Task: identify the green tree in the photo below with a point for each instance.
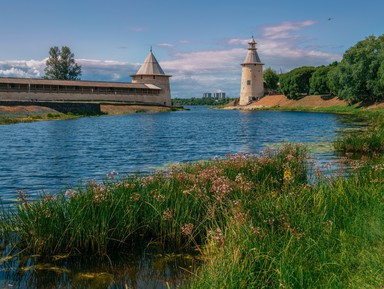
(271, 79)
(295, 83)
(319, 83)
(61, 64)
(359, 75)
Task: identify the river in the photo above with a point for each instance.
(53, 156)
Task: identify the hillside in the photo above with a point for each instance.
(279, 100)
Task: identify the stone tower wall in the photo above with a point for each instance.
(161, 81)
(252, 85)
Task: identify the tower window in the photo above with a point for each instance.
(248, 82)
(154, 77)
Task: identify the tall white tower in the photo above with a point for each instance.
(252, 84)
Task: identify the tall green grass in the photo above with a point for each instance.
(176, 208)
(367, 141)
(257, 220)
(328, 235)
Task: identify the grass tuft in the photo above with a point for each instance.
(258, 221)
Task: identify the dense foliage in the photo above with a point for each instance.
(271, 79)
(200, 101)
(61, 64)
(360, 74)
(319, 83)
(358, 77)
(295, 84)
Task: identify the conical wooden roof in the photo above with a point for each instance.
(150, 66)
(252, 56)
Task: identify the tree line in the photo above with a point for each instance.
(359, 76)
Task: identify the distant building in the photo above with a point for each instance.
(252, 85)
(216, 95)
(219, 95)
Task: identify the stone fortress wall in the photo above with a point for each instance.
(150, 86)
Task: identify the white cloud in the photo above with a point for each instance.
(279, 46)
(102, 70)
(22, 68)
(214, 60)
(282, 46)
(284, 29)
(107, 70)
(165, 45)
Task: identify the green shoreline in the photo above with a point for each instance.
(268, 221)
(14, 118)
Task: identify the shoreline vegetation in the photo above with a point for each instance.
(267, 221)
(22, 114)
(314, 103)
(272, 220)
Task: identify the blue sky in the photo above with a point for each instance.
(200, 42)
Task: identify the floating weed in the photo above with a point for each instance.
(96, 275)
(49, 267)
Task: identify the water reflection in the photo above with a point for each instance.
(56, 155)
(53, 156)
(143, 268)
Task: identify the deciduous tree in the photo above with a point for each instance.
(271, 79)
(319, 82)
(295, 83)
(360, 74)
(61, 64)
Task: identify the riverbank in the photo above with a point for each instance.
(18, 114)
(307, 103)
(257, 221)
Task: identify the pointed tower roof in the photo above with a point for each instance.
(252, 56)
(150, 66)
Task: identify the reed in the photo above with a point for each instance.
(367, 141)
(258, 221)
(328, 235)
(176, 208)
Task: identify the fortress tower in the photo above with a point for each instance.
(151, 74)
(252, 84)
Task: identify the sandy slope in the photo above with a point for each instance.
(22, 111)
(281, 100)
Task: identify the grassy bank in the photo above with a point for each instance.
(36, 117)
(327, 235)
(367, 141)
(258, 221)
(22, 114)
(176, 208)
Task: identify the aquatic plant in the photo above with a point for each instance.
(175, 208)
(367, 141)
(325, 235)
(257, 221)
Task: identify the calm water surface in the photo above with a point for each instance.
(55, 155)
